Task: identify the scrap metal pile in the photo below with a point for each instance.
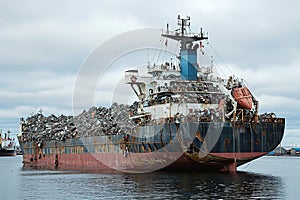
(95, 121)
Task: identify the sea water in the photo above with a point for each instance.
(265, 178)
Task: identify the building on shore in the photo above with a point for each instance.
(279, 151)
(295, 151)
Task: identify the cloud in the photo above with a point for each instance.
(254, 33)
(291, 138)
(60, 38)
(43, 45)
(36, 88)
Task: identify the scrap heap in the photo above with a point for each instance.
(95, 121)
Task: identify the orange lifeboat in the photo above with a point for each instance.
(243, 97)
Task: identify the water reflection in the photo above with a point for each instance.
(207, 186)
(157, 185)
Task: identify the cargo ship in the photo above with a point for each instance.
(7, 147)
(186, 118)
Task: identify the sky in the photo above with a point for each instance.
(44, 44)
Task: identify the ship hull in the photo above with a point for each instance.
(7, 152)
(213, 146)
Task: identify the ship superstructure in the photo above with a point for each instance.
(188, 88)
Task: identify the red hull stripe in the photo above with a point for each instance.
(239, 155)
(118, 161)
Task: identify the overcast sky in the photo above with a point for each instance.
(44, 43)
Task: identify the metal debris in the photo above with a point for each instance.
(95, 121)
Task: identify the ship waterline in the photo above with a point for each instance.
(8, 152)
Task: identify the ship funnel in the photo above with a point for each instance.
(188, 64)
(188, 48)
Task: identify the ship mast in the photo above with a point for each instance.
(188, 48)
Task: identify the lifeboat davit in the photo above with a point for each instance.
(243, 97)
